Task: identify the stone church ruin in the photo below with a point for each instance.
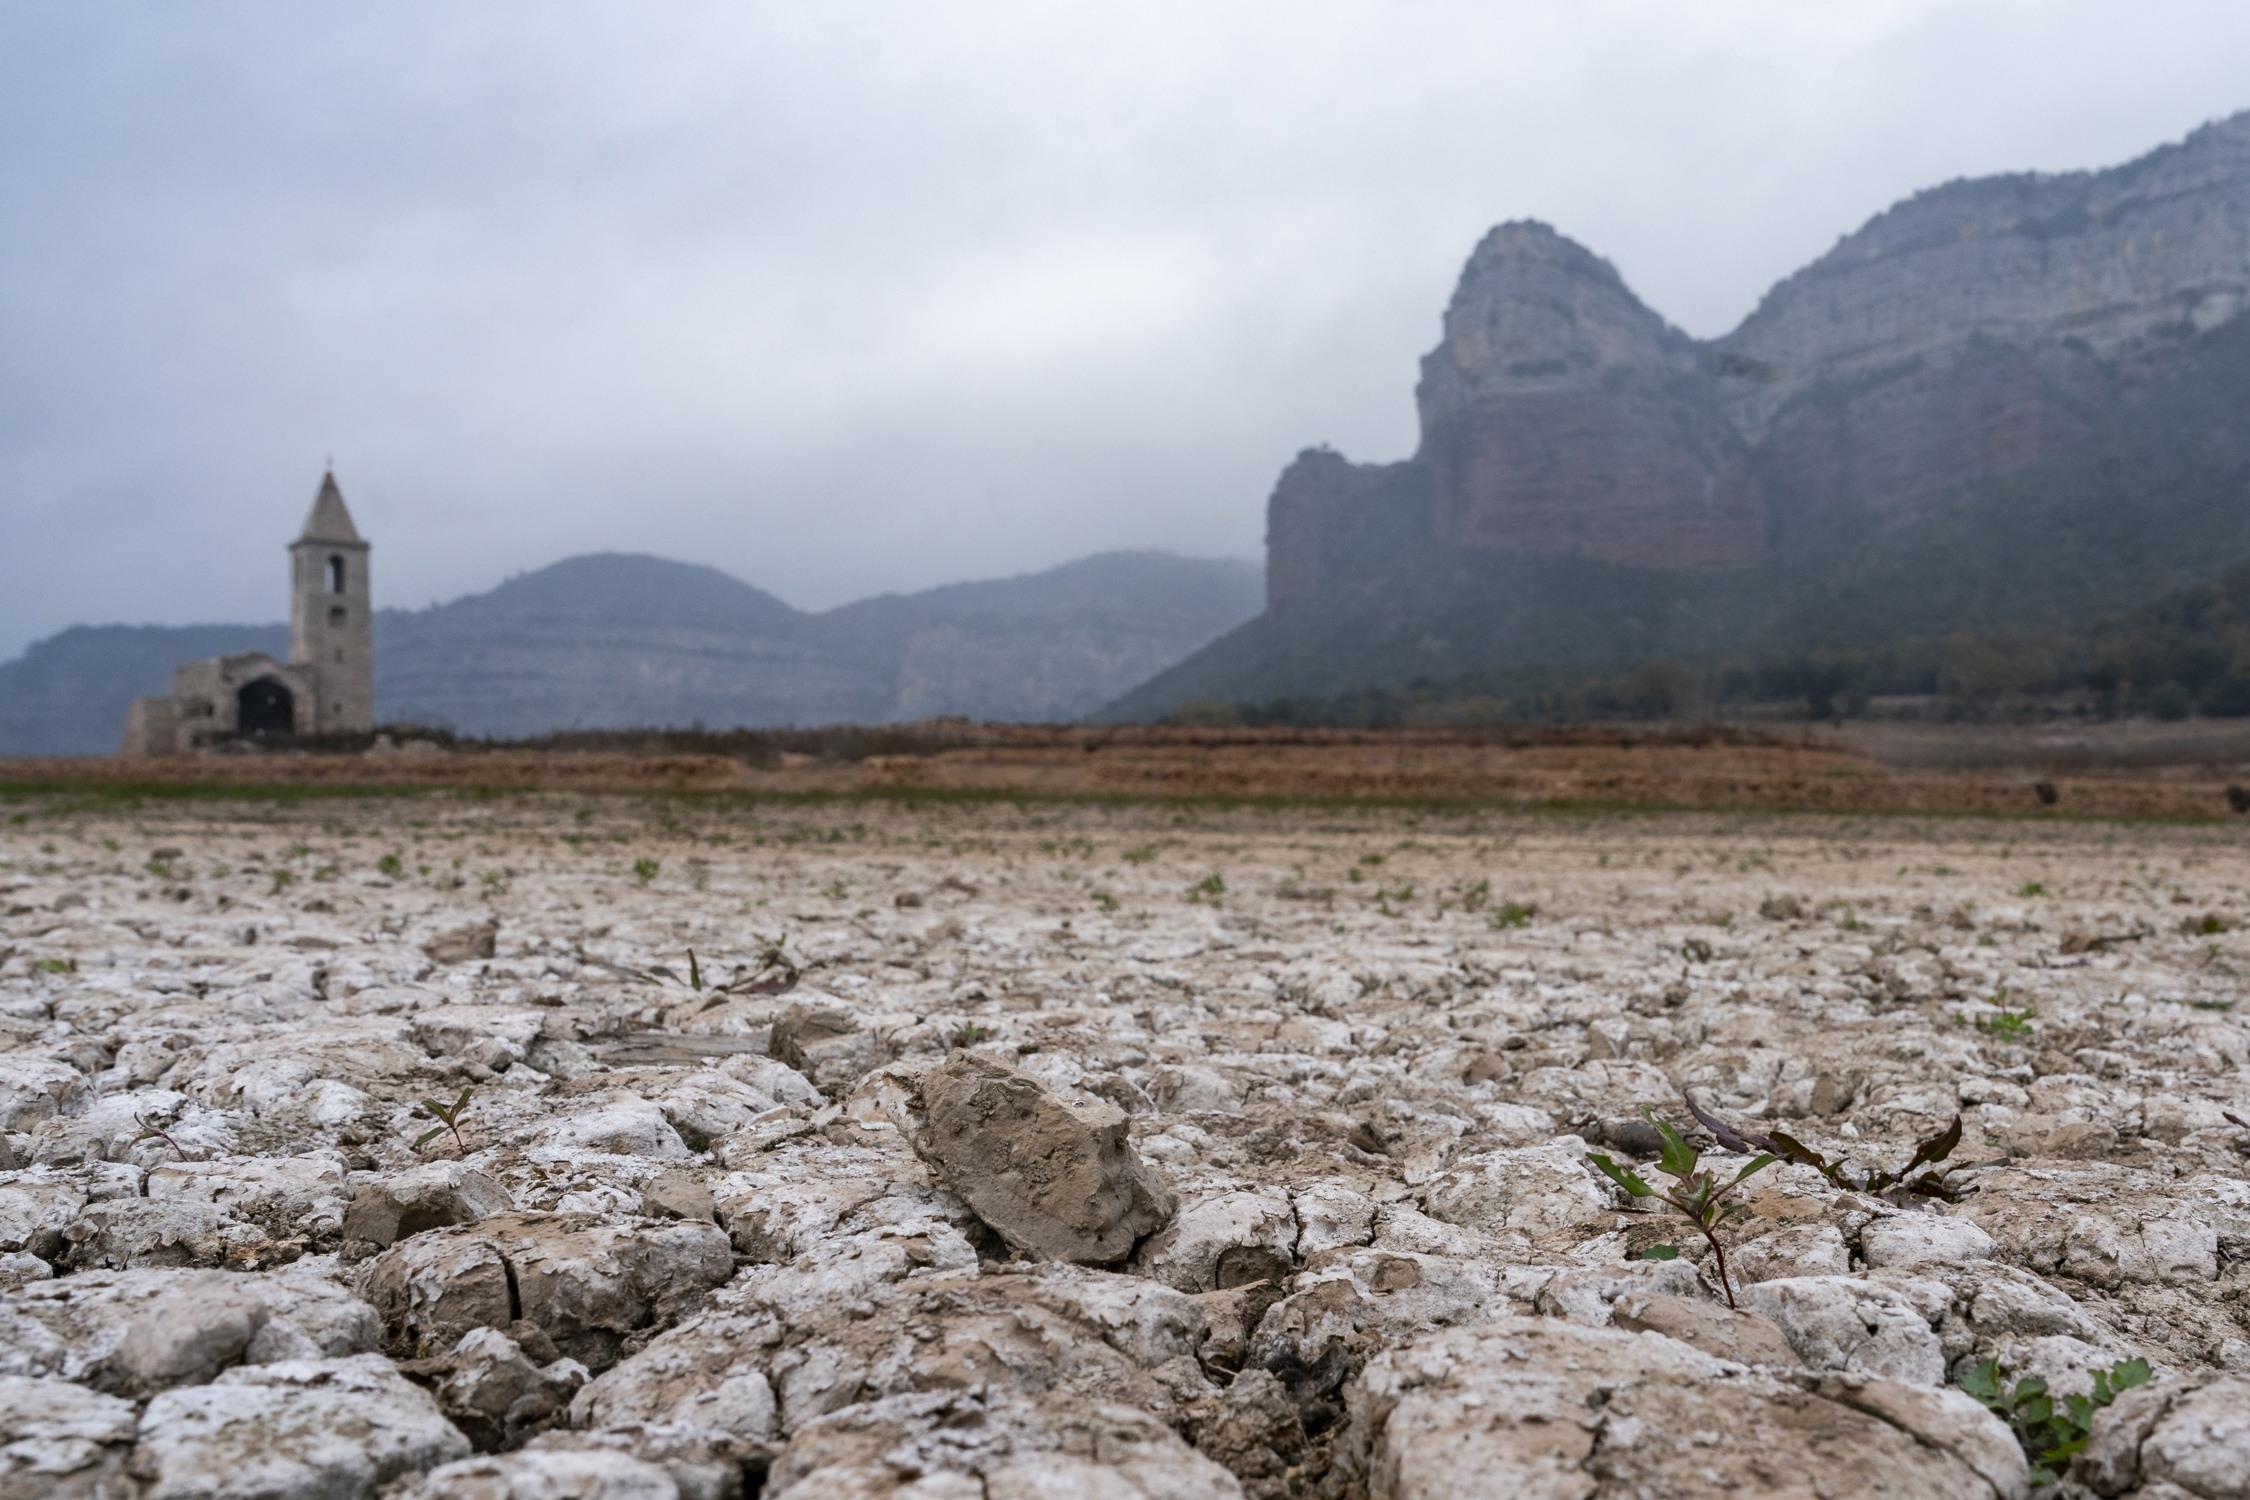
(327, 685)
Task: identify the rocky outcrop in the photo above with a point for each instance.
(1970, 332)
(1561, 417)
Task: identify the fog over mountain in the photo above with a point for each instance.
(613, 640)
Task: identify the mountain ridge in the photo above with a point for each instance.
(629, 640)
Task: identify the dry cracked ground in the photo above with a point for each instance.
(530, 1147)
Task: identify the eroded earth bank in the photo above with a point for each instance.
(399, 1145)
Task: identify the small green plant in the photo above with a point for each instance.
(969, 1033)
(644, 870)
(282, 880)
(448, 1118)
(1209, 888)
(1656, 1252)
(1695, 1192)
(1105, 901)
(1140, 855)
(694, 971)
(1512, 914)
(1477, 897)
(55, 965)
(2032, 888)
(1696, 951)
(2051, 1432)
(1371, 859)
(1892, 1187)
(150, 1131)
(2007, 1023)
(390, 865)
(160, 867)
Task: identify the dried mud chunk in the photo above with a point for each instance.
(60, 1441)
(432, 1196)
(489, 1388)
(1844, 1324)
(827, 1044)
(1054, 1176)
(588, 1284)
(2173, 1439)
(163, 1233)
(1546, 1408)
(546, 1475)
(464, 944)
(285, 1196)
(304, 1428)
(1229, 1240)
(996, 1446)
(1744, 1337)
(133, 1332)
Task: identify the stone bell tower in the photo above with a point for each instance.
(331, 618)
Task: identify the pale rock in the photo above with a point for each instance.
(993, 1445)
(826, 1043)
(1052, 1175)
(131, 1233)
(1587, 1294)
(488, 1388)
(1329, 1216)
(587, 1284)
(1912, 1239)
(1539, 1191)
(546, 1475)
(1190, 1089)
(38, 1088)
(775, 1079)
(1229, 1239)
(60, 1441)
(33, 1204)
(464, 944)
(1846, 1325)
(1793, 1250)
(707, 1104)
(623, 1125)
(133, 1332)
(286, 1196)
(328, 1429)
(1541, 1407)
(398, 1205)
(2173, 1439)
(1716, 1329)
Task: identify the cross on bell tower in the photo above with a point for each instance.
(331, 619)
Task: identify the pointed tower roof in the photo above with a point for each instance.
(328, 520)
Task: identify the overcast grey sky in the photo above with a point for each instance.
(858, 295)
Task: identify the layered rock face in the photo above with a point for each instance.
(1967, 333)
(1560, 416)
(1975, 328)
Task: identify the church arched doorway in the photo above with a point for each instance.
(265, 707)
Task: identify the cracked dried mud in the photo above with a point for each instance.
(615, 1146)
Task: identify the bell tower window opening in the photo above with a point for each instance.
(335, 574)
(336, 615)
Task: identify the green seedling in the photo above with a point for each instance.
(390, 865)
(1105, 901)
(835, 890)
(2051, 1432)
(2007, 1023)
(1512, 914)
(448, 1119)
(644, 870)
(1695, 1192)
(1139, 856)
(1892, 1187)
(55, 965)
(1477, 897)
(694, 971)
(1696, 951)
(282, 880)
(1657, 1252)
(969, 1033)
(1209, 888)
(150, 1131)
(2032, 888)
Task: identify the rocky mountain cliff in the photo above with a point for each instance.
(620, 641)
(1791, 480)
